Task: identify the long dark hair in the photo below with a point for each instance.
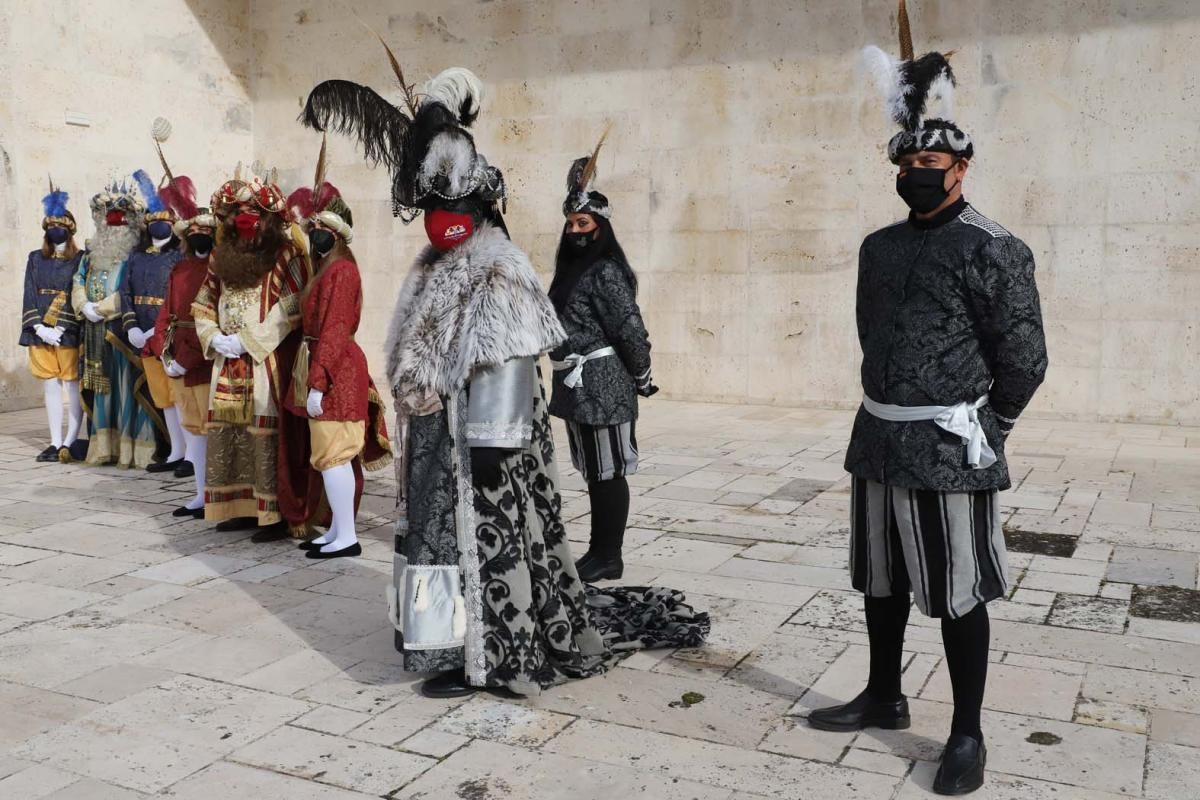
(568, 270)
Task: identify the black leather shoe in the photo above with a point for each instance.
(237, 524)
(448, 684)
(863, 711)
(961, 770)
(601, 568)
(271, 533)
(78, 449)
(185, 470)
(49, 454)
(346, 552)
(194, 513)
(581, 563)
(165, 466)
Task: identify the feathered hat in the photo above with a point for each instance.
(259, 189)
(54, 210)
(426, 145)
(581, 198)
(919, 96)
(322, 203)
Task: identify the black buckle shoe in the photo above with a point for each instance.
(48, 455)
(271, 533)
(601, 568)
(346, 552)
(184, 511)
(447, 685)
(165, 466)
(185, 470)
(961, 770)
(863, 711)
(236, 524)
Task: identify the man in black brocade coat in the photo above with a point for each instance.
(950, 326)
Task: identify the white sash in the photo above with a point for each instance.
(961, 420)
(575, 362)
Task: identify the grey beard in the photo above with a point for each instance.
(111, 245)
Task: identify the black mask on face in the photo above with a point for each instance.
(321, 241)
(201, 243)
(579, 242)
(924, 188)
(57, 234)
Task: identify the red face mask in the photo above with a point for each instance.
(114, 218)
(446, 229)
(247, 224)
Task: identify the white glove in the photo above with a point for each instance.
(314, 403)
(89, 311)
(51, 336)
(137, 338)
(229, 346)
(174, 369)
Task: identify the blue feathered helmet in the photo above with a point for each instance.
(156, 207)
(54, 209)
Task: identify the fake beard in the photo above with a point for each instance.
(111, 245)
(241, 263)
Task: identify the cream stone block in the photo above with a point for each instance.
(718, 765)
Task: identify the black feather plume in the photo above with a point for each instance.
(358, 111)
(916, 78)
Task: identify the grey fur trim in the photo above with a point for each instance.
(477, 305)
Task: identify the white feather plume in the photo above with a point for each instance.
(884, 72)
(939, 100)
(452, 156)
(452, 88)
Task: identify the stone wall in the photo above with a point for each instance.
(745, 165)
(121, 64)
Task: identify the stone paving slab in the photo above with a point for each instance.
(143, 656)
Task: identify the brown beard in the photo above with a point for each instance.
(241, 264)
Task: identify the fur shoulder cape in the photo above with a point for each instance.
(477, 305)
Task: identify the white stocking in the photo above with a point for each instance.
(197, 453)
(54, 411)
(175, 429)
(75, 420)
(339, 488)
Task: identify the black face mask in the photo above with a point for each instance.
(57, 234)
(321, 241)
(201, 243)
(579, 242)
(159, 229)
(924, 188)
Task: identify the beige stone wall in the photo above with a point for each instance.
(122, 63)
(745, 165)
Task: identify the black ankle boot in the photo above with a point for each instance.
(961, 770)
(863, 711)
(446, 685)
(601, 568)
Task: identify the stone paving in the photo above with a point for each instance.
(142, 656)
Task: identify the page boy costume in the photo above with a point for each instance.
(50, 326)
(953, 349)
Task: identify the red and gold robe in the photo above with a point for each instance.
(244, 470)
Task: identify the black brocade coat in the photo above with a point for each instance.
(602, 312)
(948, 311)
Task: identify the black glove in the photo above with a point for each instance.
(487, 467)
(647, 389)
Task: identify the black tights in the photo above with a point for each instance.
(966, 640)
(610, 512)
